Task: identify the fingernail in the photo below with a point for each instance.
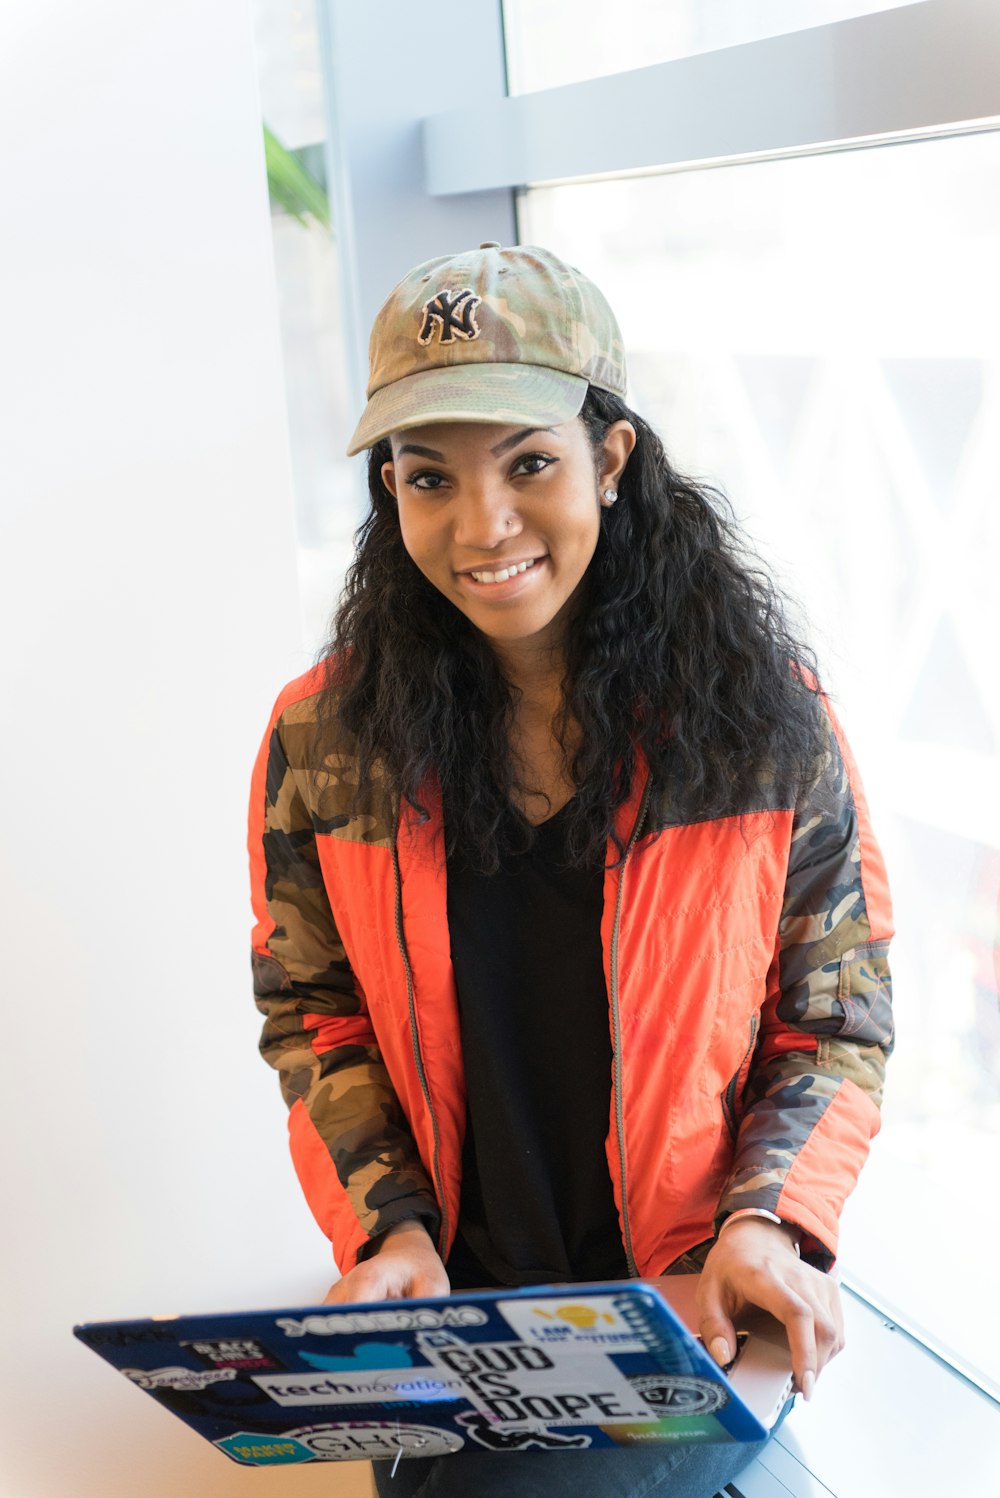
(808, 1384)
(719, 1348)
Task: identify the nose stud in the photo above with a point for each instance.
(609, 497)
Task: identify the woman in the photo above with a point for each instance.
(571, 928)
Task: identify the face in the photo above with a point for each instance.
(504, 520)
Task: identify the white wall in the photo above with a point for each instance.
(149, 614)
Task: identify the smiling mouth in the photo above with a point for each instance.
(504, 573)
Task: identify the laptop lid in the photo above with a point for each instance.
(544, 1367)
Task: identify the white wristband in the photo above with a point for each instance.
(759, 1212)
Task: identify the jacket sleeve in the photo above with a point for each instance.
(353, 1152)
(815, 1086)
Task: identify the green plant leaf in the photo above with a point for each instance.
(290, 186)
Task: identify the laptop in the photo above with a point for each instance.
(547, 1367)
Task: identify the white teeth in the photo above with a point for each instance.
(501, 577)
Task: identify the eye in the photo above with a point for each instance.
(529, 463)
(426, 480)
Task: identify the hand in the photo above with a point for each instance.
(754, 1263)
(405, 1263)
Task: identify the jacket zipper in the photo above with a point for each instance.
(729, 1094)
(617, 1033)
(401, 941)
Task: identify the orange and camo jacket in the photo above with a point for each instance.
(748, 1003)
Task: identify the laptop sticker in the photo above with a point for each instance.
(595, 1322)
(182, 1379)
(374, 1440)
(265, 1450)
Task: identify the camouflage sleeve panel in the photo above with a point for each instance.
(353, 1151)
(813, 1094)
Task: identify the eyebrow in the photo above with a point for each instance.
(509, 442)
(421, 452)
(498, 451)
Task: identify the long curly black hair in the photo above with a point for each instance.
(680, 651)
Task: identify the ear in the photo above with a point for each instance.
(389, 479)
(619, 441)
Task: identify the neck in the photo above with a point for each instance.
(535, 670)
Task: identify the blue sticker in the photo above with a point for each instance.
(265, 1451)
(365, 1355)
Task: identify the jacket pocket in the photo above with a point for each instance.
(732, 1094)
(864, 992)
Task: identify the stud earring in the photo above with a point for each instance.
(609, 497)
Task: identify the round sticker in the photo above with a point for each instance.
(680, 1393)
(378, 1440)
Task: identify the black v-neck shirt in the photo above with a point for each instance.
(537, 1202)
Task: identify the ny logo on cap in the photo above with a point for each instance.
(453, 313)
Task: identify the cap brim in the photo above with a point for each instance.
(530, 394)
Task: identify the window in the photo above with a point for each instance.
(819, 336)
(307, 275)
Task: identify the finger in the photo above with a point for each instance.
(716, 1329)
(433, 1283)
(797, 1315)
(841, 1328)
(829, 1327)
(362, 1283)
(799, 1323)
(430, 1277)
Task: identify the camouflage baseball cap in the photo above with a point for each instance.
(507, 335)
